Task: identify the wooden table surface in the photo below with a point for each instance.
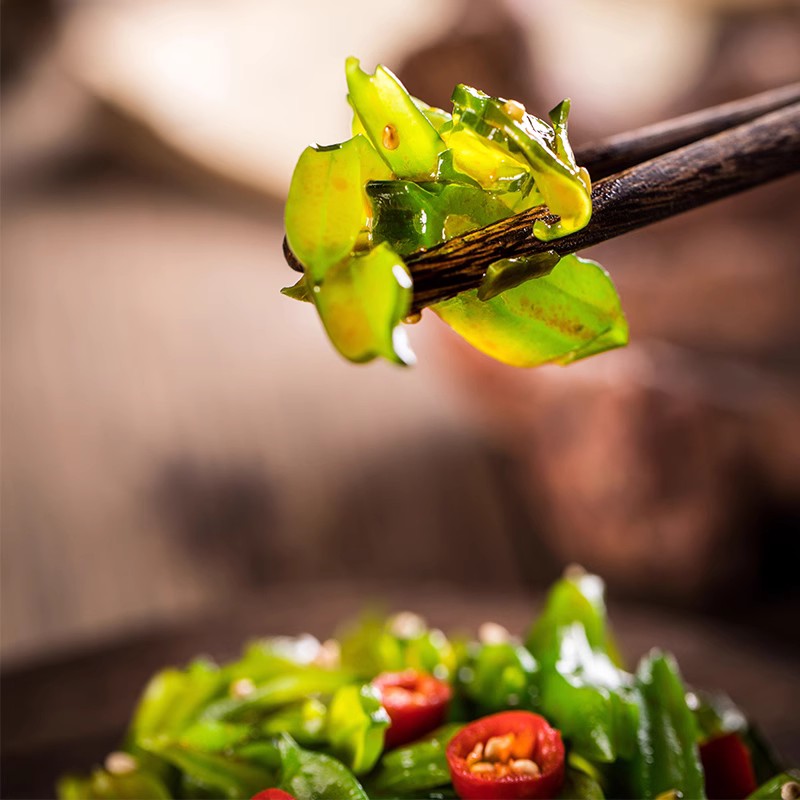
(67, 712)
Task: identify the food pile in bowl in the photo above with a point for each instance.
(395, 709)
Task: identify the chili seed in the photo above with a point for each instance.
(118, 763)
(476, 754)
(329, 655)
(492, 633)
(242, 688)
(514, 109)
(407, 624)
(498, 748)
(790, 790)
(482, 768)
(524, 766)
(390, 140)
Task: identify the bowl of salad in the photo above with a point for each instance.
(392, 708)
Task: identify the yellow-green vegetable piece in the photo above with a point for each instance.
(559, 318)
(356, 726)
(582, 199)
(491, 165)
(436, 116)
(508, 273)
(400, 132)
(361, 303)
(327, 207)
(562, 186)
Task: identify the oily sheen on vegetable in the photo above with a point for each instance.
(393, 708)
(412, 177)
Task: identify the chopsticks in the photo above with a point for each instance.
(624, 150)
(698, 158)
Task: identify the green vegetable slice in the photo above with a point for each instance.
(314, 775)
(361, 303)
(564, 316)
(414, 768)
(580, 786)
(103, 785)
(562, 186)
(508, 273)
(376, 645)
(356, 725)
(399, 131)
(775, 788)
(305, 722)
(667, 757)
(409, 215)
(174, 698)
(583, 691)
(277, 691)
(229, 774)
(500, 676)
(327, 209)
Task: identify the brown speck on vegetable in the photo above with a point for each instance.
(391, 139)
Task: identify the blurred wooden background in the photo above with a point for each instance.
(175, 431)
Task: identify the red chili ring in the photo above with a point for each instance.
(546, 750)
(415, 701)
(272, 794)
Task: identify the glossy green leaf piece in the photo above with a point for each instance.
(298, 291)
(437, 117)
(361, 303)
(499, 676)
(410, 216)
(174, 698)
(414, 768)
(103, 785)
(562, 186)
(508, 273)
(494, 167)
(558, 117)
(580, 786)
(577, 598)
(667, 757)
(231, 776)
(583, 691)
(356, 725)
(399, 131)
(374, 645)
(304, 721)
(280, 690)
(327, 208)
(567, 315)
(305, 774)
(779, 787)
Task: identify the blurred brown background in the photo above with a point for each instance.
(178, 438)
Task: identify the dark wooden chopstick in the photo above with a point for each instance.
(624, 150)
(710, 169)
